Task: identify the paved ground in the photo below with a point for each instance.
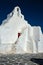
(23, 59)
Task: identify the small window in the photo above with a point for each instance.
(17, 9)
(21, 16)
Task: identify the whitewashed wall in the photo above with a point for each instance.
(40, 45)
(14, 24)
(24, 43)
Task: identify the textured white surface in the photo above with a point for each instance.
(31, 40)
(10, 29)
(40, 44)
(24, 43)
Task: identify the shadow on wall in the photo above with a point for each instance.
(38, 61)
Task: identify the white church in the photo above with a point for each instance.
(18, 36)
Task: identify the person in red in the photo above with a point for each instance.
(19, 35)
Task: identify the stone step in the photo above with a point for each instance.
(17, 59)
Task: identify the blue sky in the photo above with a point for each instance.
(31, 9)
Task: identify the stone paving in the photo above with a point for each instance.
(19, 59)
